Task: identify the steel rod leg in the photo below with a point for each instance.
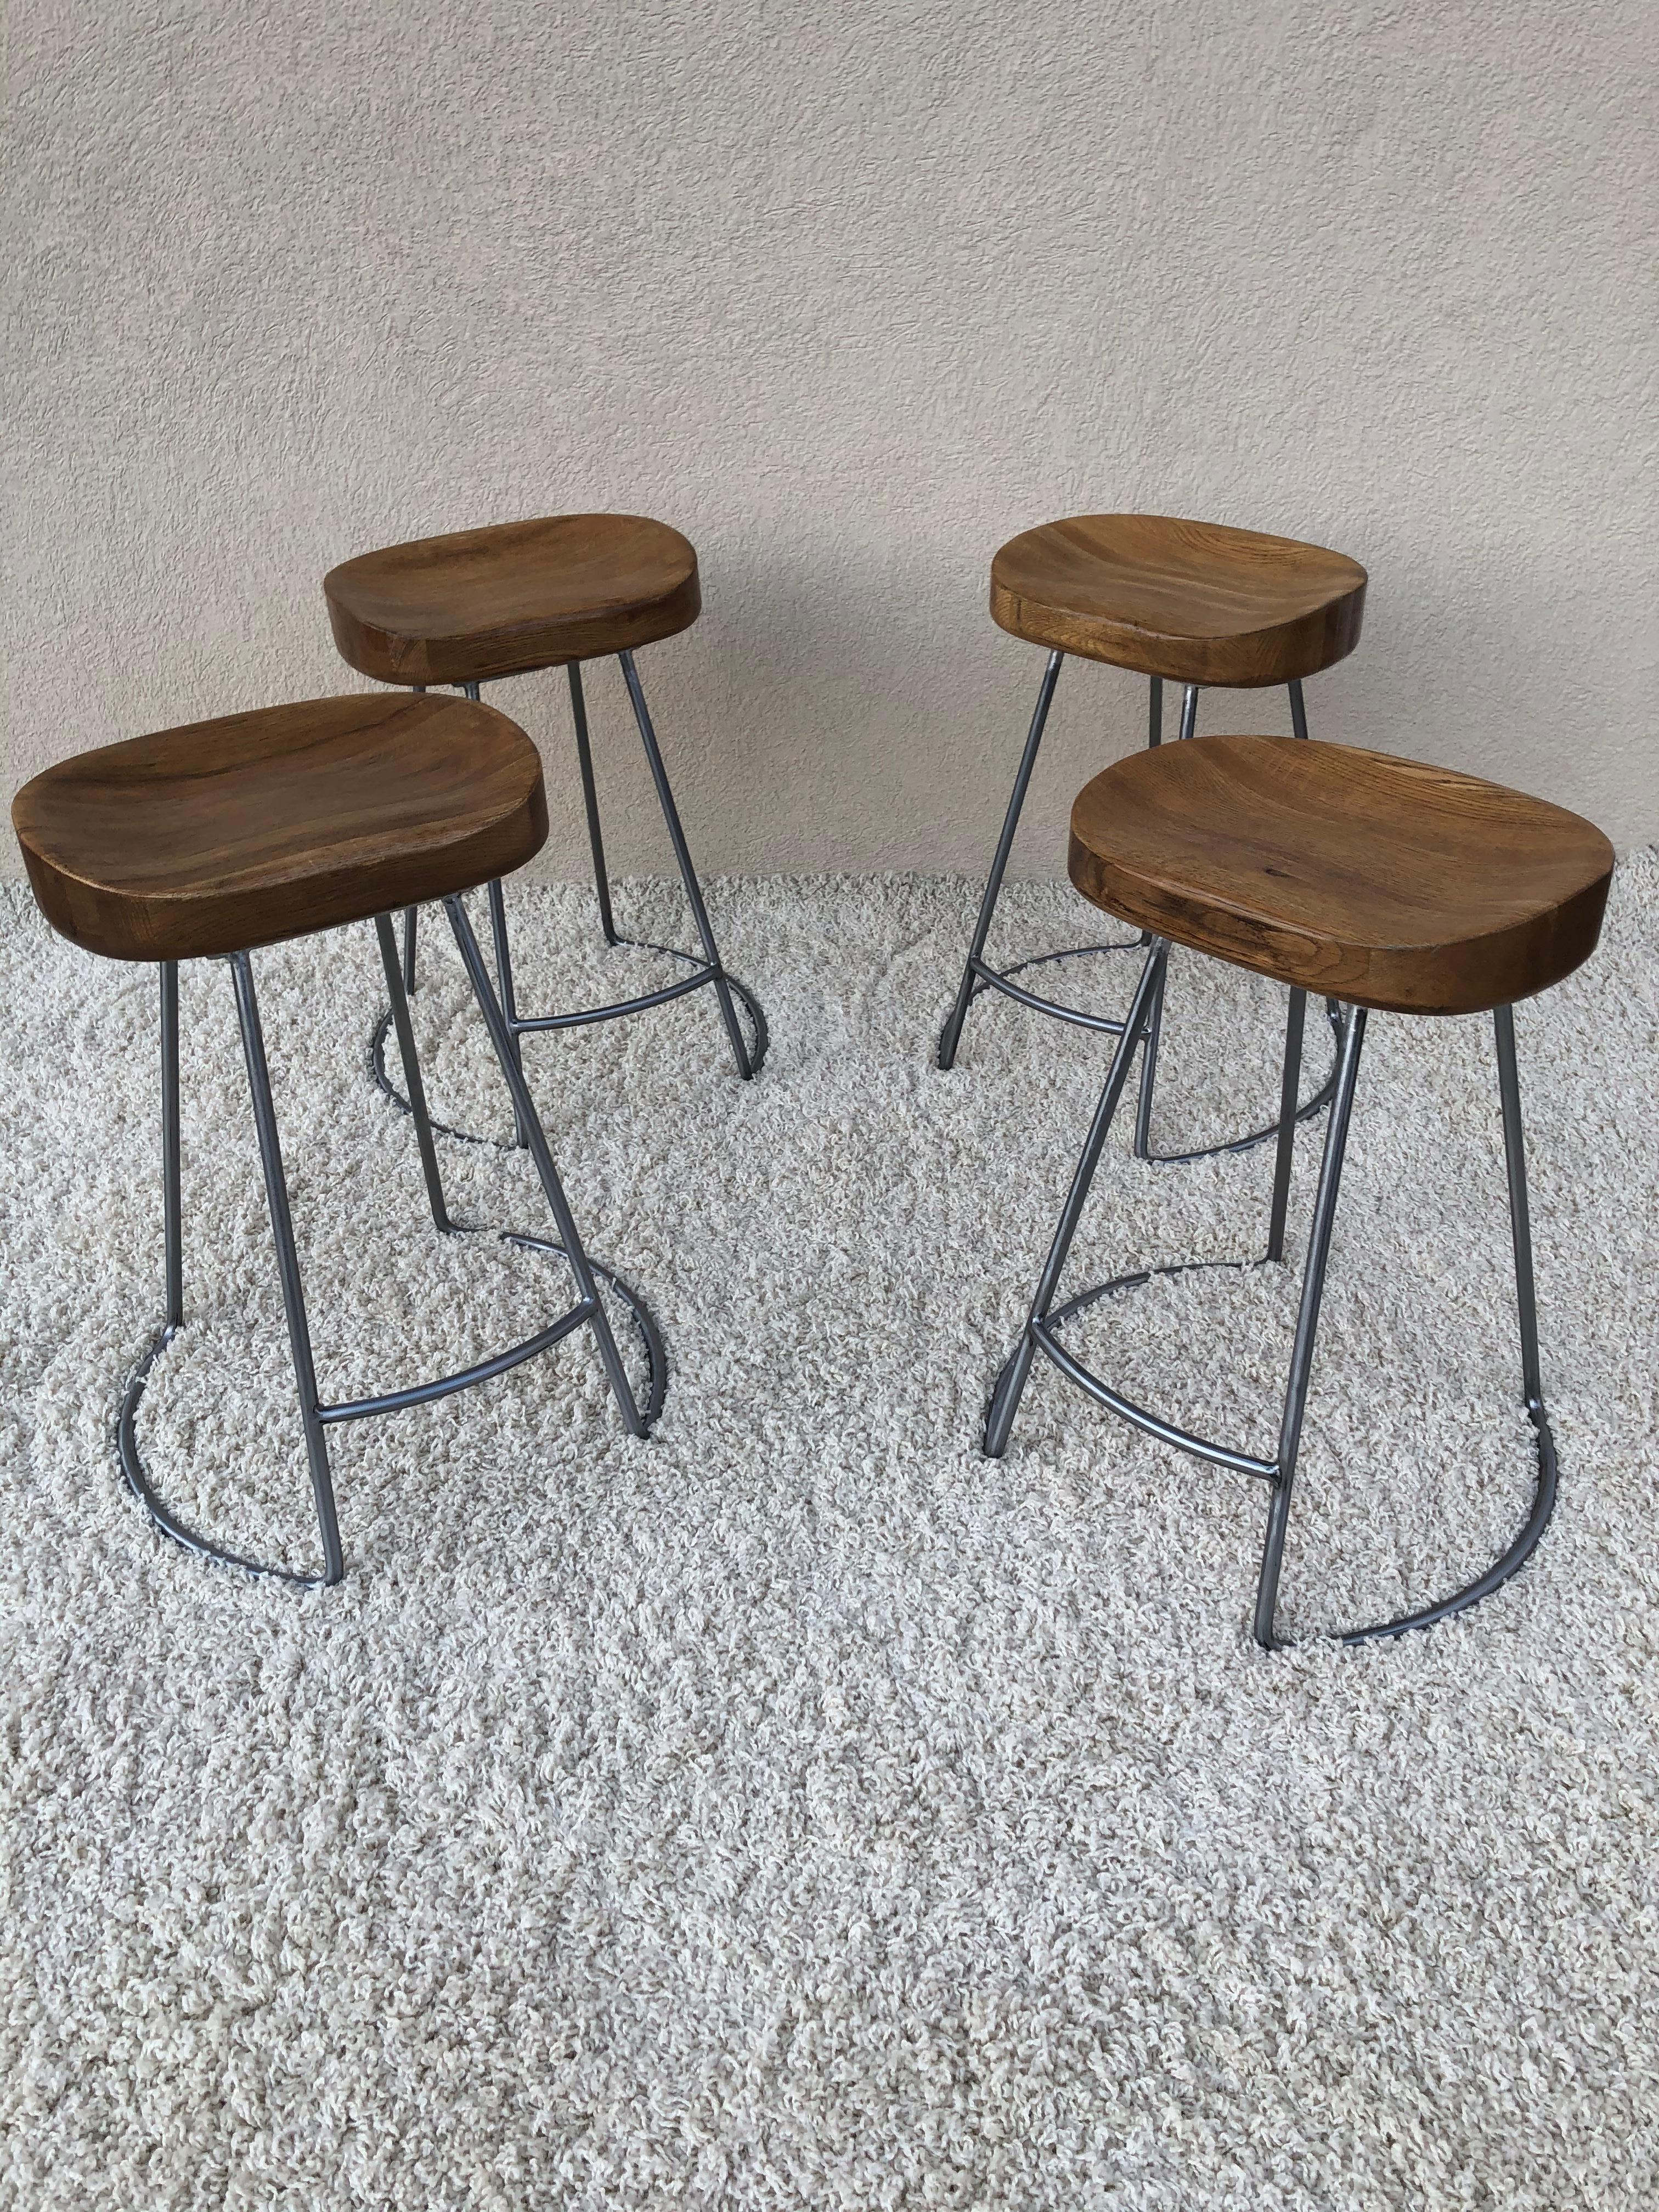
(411, 916)
(525, 1108)
(172, 1212)
(1143, 1138)
(1289, 1092)
(1307, 1328)
(504, 986)
(671, 815)
(590, 802)
(413, 1086)
(1004, 1402)
(951, 1035)
(288, 1262)
(1299, 728)
(1514, 1162)
(1154, 736)
(1299, 711)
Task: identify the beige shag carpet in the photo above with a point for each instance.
(798, 1810)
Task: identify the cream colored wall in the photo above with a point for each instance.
(849, 293)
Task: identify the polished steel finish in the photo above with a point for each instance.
(1045, 1319)
(316, 1415)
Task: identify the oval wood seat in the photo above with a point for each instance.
(1381, 881)
(226, 834)
(479, 603)
(1194, 601)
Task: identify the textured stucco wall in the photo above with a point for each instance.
(849, 294)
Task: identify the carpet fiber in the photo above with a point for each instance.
(799, 1809)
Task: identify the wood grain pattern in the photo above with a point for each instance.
(478, 604)
(1381, 881)
(1194, 601)
(226, 834)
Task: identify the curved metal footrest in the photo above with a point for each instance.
(1044, 1337)
(137, 1475)
(1002, 979)
(533, 1024)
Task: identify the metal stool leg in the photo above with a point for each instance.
(173, 1211)
(591, 803)
(688, 873)
(950, 1035)
(288, 1262)
(1004, 1402)
(524, 1106)
(1143, 1144)
(411, 916)
(398, 999)
(503, 953)
(1299, 711)
(1307, 1326)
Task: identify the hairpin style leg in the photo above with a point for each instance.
(951, 1035)
(688, 874)
(1010, 1387)
(524, 1106)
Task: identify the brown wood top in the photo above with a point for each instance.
(519, 595)
(1384, 882)
(225, 834)
(1194, 601)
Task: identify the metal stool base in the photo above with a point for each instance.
(1046, 1318)
(137, 1474)
(1002, 979)
(702, 974)
(1502, 1569)
(978, 977)
(316, 1416)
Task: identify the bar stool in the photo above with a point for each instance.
(1194, 602)
(475, 606)
(1388, 883)
(213, 839)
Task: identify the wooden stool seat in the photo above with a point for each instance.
(227, 834)
(480, 604)
(1380, 881)
(1193, 601)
